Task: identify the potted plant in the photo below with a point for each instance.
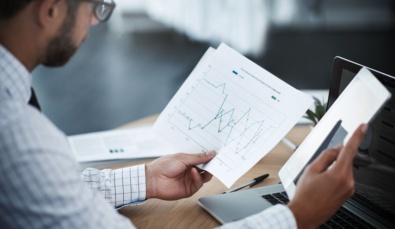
(319, 111)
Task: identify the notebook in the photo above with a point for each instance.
(353, 98)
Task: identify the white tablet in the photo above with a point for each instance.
(359, 103)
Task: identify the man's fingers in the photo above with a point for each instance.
(324, 160)
(348, 152)
(206, 176)
(197, 179)
(197, 159)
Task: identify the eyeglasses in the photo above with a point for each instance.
(102, 9)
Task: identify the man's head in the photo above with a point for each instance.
(61, 26)
(10, 8)
(62, 47)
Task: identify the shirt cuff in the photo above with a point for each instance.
(281, 216)
(142, 183)
(133, 190)
(286, 214)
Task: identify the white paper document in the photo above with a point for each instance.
(233, 106)
(117, 144)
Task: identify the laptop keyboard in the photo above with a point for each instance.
(342, 219)
(277, 198)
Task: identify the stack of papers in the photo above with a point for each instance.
(233, 106)
(137, 143)
(227, 104)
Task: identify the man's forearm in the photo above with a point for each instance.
(119, 187)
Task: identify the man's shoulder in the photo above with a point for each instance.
(10, 109)
(13, 110)
(25, 127)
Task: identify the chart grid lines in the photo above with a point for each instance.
(237, 128)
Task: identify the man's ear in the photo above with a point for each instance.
(51, 12)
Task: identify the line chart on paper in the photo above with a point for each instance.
(216, 112)
(233, 106)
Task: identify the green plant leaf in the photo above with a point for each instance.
(320, 109)
(310, 115)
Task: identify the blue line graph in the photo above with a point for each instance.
(214, 110)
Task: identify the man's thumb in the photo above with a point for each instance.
(200, 158)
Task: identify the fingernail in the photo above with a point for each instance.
(364, 128)
(211, 153)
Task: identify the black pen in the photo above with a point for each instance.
(249, 184)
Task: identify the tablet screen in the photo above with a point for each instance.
(358, 103)
(374, 165)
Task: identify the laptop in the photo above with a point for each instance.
(373, 204)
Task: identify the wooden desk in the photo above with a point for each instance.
(186, 213)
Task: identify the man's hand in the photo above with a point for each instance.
(175, 176)
(325, 185)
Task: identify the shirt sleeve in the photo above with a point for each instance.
(40, 184)
(120, 187)
(278, 216)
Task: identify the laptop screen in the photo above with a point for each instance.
(374, 165)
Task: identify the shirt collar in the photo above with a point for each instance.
(14, 77)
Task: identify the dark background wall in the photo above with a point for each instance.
(114, 79)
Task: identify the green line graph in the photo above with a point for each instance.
(216, 109)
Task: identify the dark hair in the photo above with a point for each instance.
(8, 8)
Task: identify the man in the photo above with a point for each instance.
(39, 185)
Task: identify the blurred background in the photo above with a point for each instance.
(131, 66)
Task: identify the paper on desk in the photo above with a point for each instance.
(117, 144)
(233, 106)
